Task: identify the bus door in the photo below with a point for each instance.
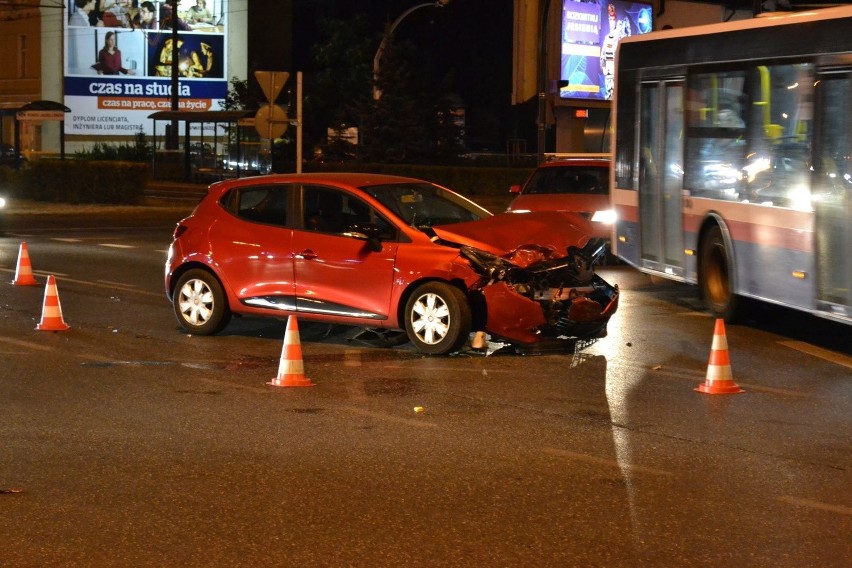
(661, 176)
(832, 191)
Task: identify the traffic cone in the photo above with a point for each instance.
(24, 271)
(51, 314)
(291, 371)
(719, 377)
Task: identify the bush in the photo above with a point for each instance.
(139, 151)
(82, 181)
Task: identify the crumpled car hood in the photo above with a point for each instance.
(506, 232)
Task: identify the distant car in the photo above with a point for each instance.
(10, 157)
(578, 185)
(395, 254)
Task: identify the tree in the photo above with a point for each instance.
(239, 96)
(396, 127)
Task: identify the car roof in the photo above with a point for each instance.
(357, 179)
(568, 162)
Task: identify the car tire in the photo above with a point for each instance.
(200, 304)
(437, 318)
(715, 269)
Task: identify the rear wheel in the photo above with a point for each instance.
(200, 303)
(437, 318)
(715, 276)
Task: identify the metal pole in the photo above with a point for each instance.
(175, 54)
(542, 82)
(377, 93)
(299, 122)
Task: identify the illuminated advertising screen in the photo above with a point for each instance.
(591, 31)
(118, 62)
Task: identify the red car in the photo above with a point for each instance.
(388, 253)
(579, 185)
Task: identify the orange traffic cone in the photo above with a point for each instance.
(24, 271)
(719, 377)
(291, 372)
(51, 314)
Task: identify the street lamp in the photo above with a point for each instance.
(377, 93)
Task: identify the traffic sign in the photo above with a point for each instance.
(271, 83)
(271, 121)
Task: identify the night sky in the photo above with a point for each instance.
(471, 38)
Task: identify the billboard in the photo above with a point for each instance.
(118, 62)
(591, 31)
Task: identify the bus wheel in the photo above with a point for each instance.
(714, 274)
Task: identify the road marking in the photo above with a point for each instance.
(605, 462)
(112, 286)
(811, 504)
(679, 373)
(115, 245)
(771, 390)
(390, 417)
(26, 344)
(443, 368)
(121, 284)
(819, 352)
(66, 240)
(35, 272)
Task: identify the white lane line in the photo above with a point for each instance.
(119, 284)
(123, 287)
(455, 369)
(115, 245)
(25, 344)
(36, 272)
(667, 372)
(819, 352)
(66, 240)
(390, 418)
(605, 462)
(811, 504)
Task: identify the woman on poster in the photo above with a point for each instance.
(109, 58)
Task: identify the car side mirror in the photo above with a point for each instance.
(514, 188)
(367, 232)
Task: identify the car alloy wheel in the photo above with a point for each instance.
(437, 318)
(200, 304)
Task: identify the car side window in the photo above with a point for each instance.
(259, 204)
(328, 210)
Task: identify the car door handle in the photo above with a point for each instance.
(306, 254)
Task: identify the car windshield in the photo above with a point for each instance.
(588, 180)
(424, 204)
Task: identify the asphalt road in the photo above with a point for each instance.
(129, 443)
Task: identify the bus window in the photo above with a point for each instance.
(748, 135)
(778, 164)
(715, 141)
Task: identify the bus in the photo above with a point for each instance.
(732, 160)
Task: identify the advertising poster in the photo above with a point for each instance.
(118, 62)
(591, 31)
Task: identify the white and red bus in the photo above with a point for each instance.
(732, 160)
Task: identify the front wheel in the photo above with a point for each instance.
(200, 303)
(715, 276)
(437, 318)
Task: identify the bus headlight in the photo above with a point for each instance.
(606, 217)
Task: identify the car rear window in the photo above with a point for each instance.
(588, 180)
(260, 204)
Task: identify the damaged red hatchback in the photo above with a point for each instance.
(387, 253)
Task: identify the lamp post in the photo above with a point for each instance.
(377, 93)
(542, 82)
